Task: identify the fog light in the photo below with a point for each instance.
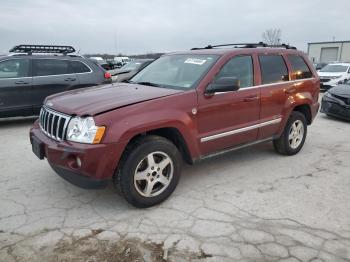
(78, 160)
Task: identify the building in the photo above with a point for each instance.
(329, 51)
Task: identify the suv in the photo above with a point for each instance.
(184, 106)
(334, 74)
(26, 79)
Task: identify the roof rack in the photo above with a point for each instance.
(47, 49)
(247, 45)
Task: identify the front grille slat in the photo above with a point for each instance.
(57, 128)
(53, 124)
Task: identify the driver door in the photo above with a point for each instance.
(229, 119)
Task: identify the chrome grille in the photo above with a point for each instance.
(53, 124)
(324, 80)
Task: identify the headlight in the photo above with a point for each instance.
(329, 95)
(83, 130)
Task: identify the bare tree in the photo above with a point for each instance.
(272, 36)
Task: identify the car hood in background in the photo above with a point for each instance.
(119, 71)
(340, 90)
(95, 100)
(330, 74)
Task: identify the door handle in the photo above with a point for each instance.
(70, 79)
(21, 82)
(250, 98)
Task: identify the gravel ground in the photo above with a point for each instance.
(249, 205)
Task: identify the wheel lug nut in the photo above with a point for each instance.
(152, 167)
(158, 176)
(148, 174)
(158, 169)
(151, 179)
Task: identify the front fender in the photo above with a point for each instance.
(125, 123)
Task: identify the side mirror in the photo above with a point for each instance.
(223, 84)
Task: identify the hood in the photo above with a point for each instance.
(341, 90)
(119, 71)
(95, 100)
(329, 74)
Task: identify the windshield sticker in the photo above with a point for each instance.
(195, 61)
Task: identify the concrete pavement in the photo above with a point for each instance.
(249, 205)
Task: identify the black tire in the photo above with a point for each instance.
(282, 144)
(133, 156)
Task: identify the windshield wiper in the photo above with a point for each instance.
(146, 84)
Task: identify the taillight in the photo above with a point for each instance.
(108, 75)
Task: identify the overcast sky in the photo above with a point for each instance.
(139, 26)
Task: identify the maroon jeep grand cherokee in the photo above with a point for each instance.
(187, 105)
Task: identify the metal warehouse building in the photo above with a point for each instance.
(329, 51)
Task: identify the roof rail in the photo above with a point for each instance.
(47, 49)
(246, 45)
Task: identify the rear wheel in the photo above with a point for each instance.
(293, 136)
(149, 171)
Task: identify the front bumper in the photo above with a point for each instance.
(335, 108)
(84, 165)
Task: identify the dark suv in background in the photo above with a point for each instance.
(27, 79)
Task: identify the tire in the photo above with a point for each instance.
(143, 182)
(294, 134)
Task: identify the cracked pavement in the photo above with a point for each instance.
(248, 205)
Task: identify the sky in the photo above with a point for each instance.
(143, 26)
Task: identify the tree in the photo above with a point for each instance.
(272, 36)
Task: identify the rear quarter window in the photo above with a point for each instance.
(273, 69)
(300, 69)
(79, 67)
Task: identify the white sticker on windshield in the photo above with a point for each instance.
(195, 61)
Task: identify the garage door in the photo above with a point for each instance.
(329, 54)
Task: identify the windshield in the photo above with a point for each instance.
(132, 65)
(176, 71)
(334, 68)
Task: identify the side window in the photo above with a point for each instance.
(299, 67)
(79, 67)
(46, 67)
(240, 67)
(273, 69)
(14, 68)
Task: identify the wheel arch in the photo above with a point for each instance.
(305, 109)
(171, 133)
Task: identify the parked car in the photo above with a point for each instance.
(26, 80)
(129, 70)
(122, 59)
(336, 101)
(101, 62)
(113, 64)
(184, 106)
(334, 74)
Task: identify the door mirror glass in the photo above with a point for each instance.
(223, 84)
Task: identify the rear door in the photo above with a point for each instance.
(15, 87)
(51, 76)
(274, 85)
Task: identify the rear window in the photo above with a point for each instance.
(299, 67)
(79, 67)
(273, 69)
(46, 67)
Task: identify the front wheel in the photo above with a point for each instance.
(149, 171)
(293, 137)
